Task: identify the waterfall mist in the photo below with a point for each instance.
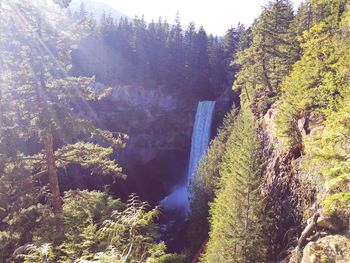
(179, 198)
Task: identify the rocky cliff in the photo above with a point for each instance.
(159, 127)
(303, 233)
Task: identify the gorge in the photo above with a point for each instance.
(124, 141)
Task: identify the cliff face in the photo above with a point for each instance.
(302, 232)
(153, 121)
(281, 186)
(159, 127)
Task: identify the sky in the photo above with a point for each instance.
(215, 15)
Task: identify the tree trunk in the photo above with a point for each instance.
(265, 73)
(53, 178)
(266, 76)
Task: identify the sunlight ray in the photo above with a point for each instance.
(45, 50)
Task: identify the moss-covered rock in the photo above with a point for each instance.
(332, 248)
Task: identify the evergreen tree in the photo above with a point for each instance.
(139, 47)
(317, 80)
(176, 59)
(106, 46)
(156, 56)
(205, 183)
(63, 3)
(270, 57)
(318, 89)
(303, 19)
(189, 37)
(162, 32)
(236, 218)
(218, 67)
(327, 11)
(201, 67)
(99, 229)
(42, 103)
(231, 47)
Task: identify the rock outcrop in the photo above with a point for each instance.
(331, 248)
(291, 195)
(281, 187)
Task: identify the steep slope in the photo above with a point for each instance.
(303, 125)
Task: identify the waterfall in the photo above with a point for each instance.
(180, 196)
(200, 135)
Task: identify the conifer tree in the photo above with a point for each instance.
(205, 183)
(236, 214)
(303, 19)
(189, 37)
(231, 47)
(317, 90)
(63, 3)
(201, 65)
(270, 57)
(43, 102)
(217, 66)
(176, 59)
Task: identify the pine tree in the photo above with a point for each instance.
(201, 67)
(189, 37)
(218, 67)
(270, 56)
(303, 19)
(139, 49)
(327, 11)
(63, 3)
(176, 59)
(318, 79)
(42, 103)
(231, 47)
(205, 184)
(236, 218)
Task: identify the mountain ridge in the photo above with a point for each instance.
(96, 8)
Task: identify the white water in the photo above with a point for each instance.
(179, 198)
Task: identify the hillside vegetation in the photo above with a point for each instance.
(274, 185)
(291, 151)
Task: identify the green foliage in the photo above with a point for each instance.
(327, 11)
(83, 213)
(40, 102)
(39, 254)
(329, 149)
(337, 204)
(319, 86)
(22, 208)
(101, 229)
(236, 216)
(303, 19)
(182, 62)
(43, 102)
(269, 58)
(318, 81)
(205, 182)
(88, 155)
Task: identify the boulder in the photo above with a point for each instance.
(332, 248)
